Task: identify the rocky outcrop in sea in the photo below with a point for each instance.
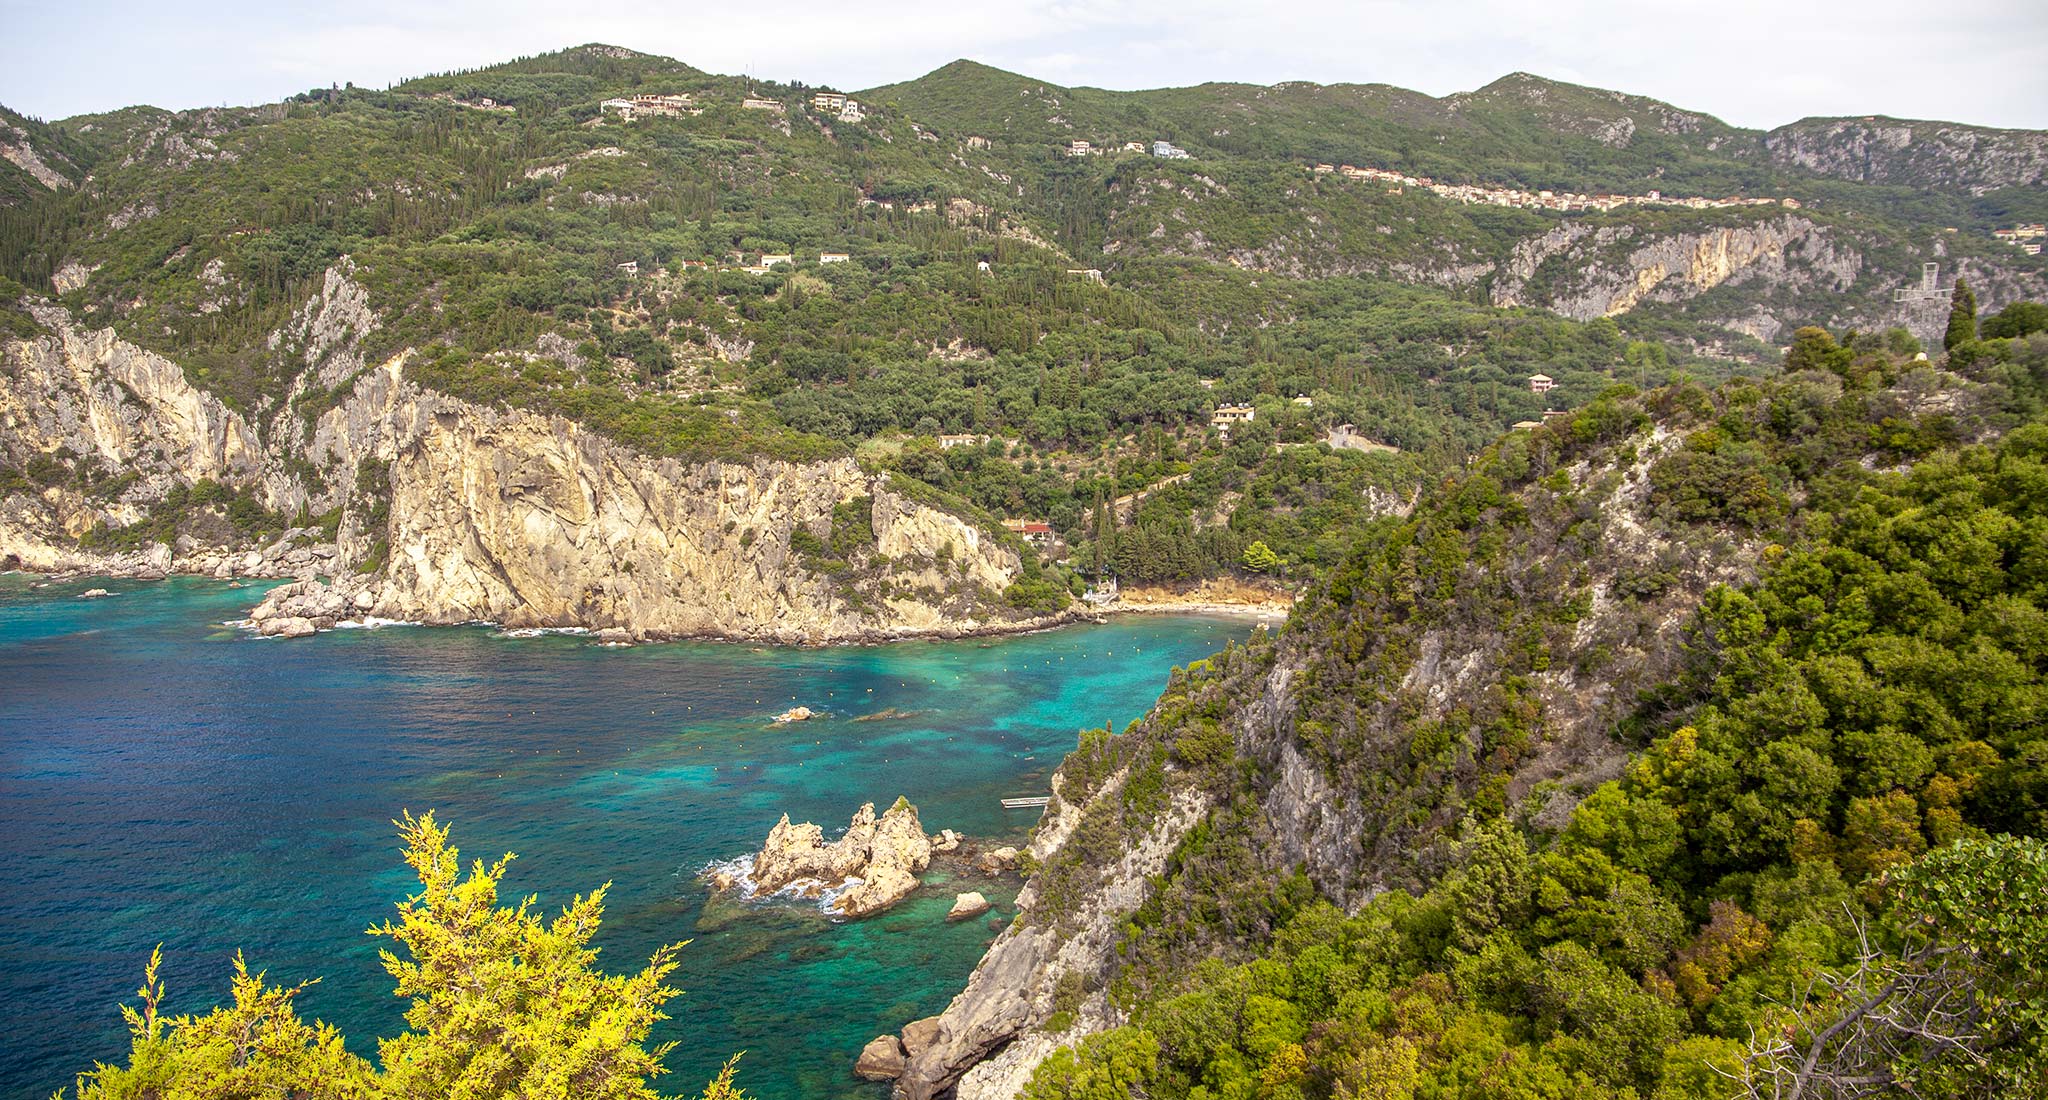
(874, 865)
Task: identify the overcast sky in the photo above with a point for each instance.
(1756, 63)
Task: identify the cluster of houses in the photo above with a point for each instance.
(1562, 201)
(847, 110)
(1163, 149)
(674, 106)
(738, 261)
(2026, 237)
(650, 106)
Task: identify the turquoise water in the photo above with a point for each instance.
(163, 778)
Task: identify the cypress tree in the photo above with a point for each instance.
(1962, 317)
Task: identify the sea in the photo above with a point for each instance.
(167, 778)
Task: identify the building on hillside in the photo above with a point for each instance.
(948, 442)
(1079, 148)
(1134, 147)
(1552, 414)
(753, 103)
(1035, 532)
(1325, 169)
(630, 269)
(1206, 383)
(828, 101)
(1094, 273)
(981, 266)
(770, 259)
(1541, 383)
(1527, 425)
(851, 112)
(833, 257)
(651, 105)
(1168, 150)
(1305, 401)
(1226, 415)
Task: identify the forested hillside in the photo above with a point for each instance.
(533, 251)
(1494, 824)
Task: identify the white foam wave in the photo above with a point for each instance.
(739, 874)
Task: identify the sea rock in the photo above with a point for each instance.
(997, 861)
(880, 1060)
(919, 1034)
(93, 593)
(946, 841)
(967, 906)
(877, 861)
(796, 714)
(288, 627)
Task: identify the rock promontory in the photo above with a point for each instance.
(870, 868)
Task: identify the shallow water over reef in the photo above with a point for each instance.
(164, 778)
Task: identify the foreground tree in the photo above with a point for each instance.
(504, 1004)
(1948, 998)
(1962, 317)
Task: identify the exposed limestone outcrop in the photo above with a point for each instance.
(1882, 150)
(967, 906)
(874, 865)
(474, 513)
(1615, 268)
(880, 1060)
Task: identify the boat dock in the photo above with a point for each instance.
(1026, 803)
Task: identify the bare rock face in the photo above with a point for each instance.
(880, 1060)
(919, 1034)
(997, 861)
(876, 863)
(472, 512)
(967, 906)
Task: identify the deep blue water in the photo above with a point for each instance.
(163, 778)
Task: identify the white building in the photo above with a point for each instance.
(1168, 150)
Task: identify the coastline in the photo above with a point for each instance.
(1205, 599)
(1215, 596)
(1077, 613)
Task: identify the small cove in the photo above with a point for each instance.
(166, 778)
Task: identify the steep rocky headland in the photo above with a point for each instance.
(1476, 659)
(414, 505)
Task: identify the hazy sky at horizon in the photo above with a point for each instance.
(1751, 62)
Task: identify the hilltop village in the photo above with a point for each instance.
(1473, 194)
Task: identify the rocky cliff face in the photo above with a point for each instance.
(1777, 272)
(1923, 154)
(1604, 271)
(451, 512)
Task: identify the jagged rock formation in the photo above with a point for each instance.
(1925, 154)
(1585, 272)
(874, 865)
(453, 512)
